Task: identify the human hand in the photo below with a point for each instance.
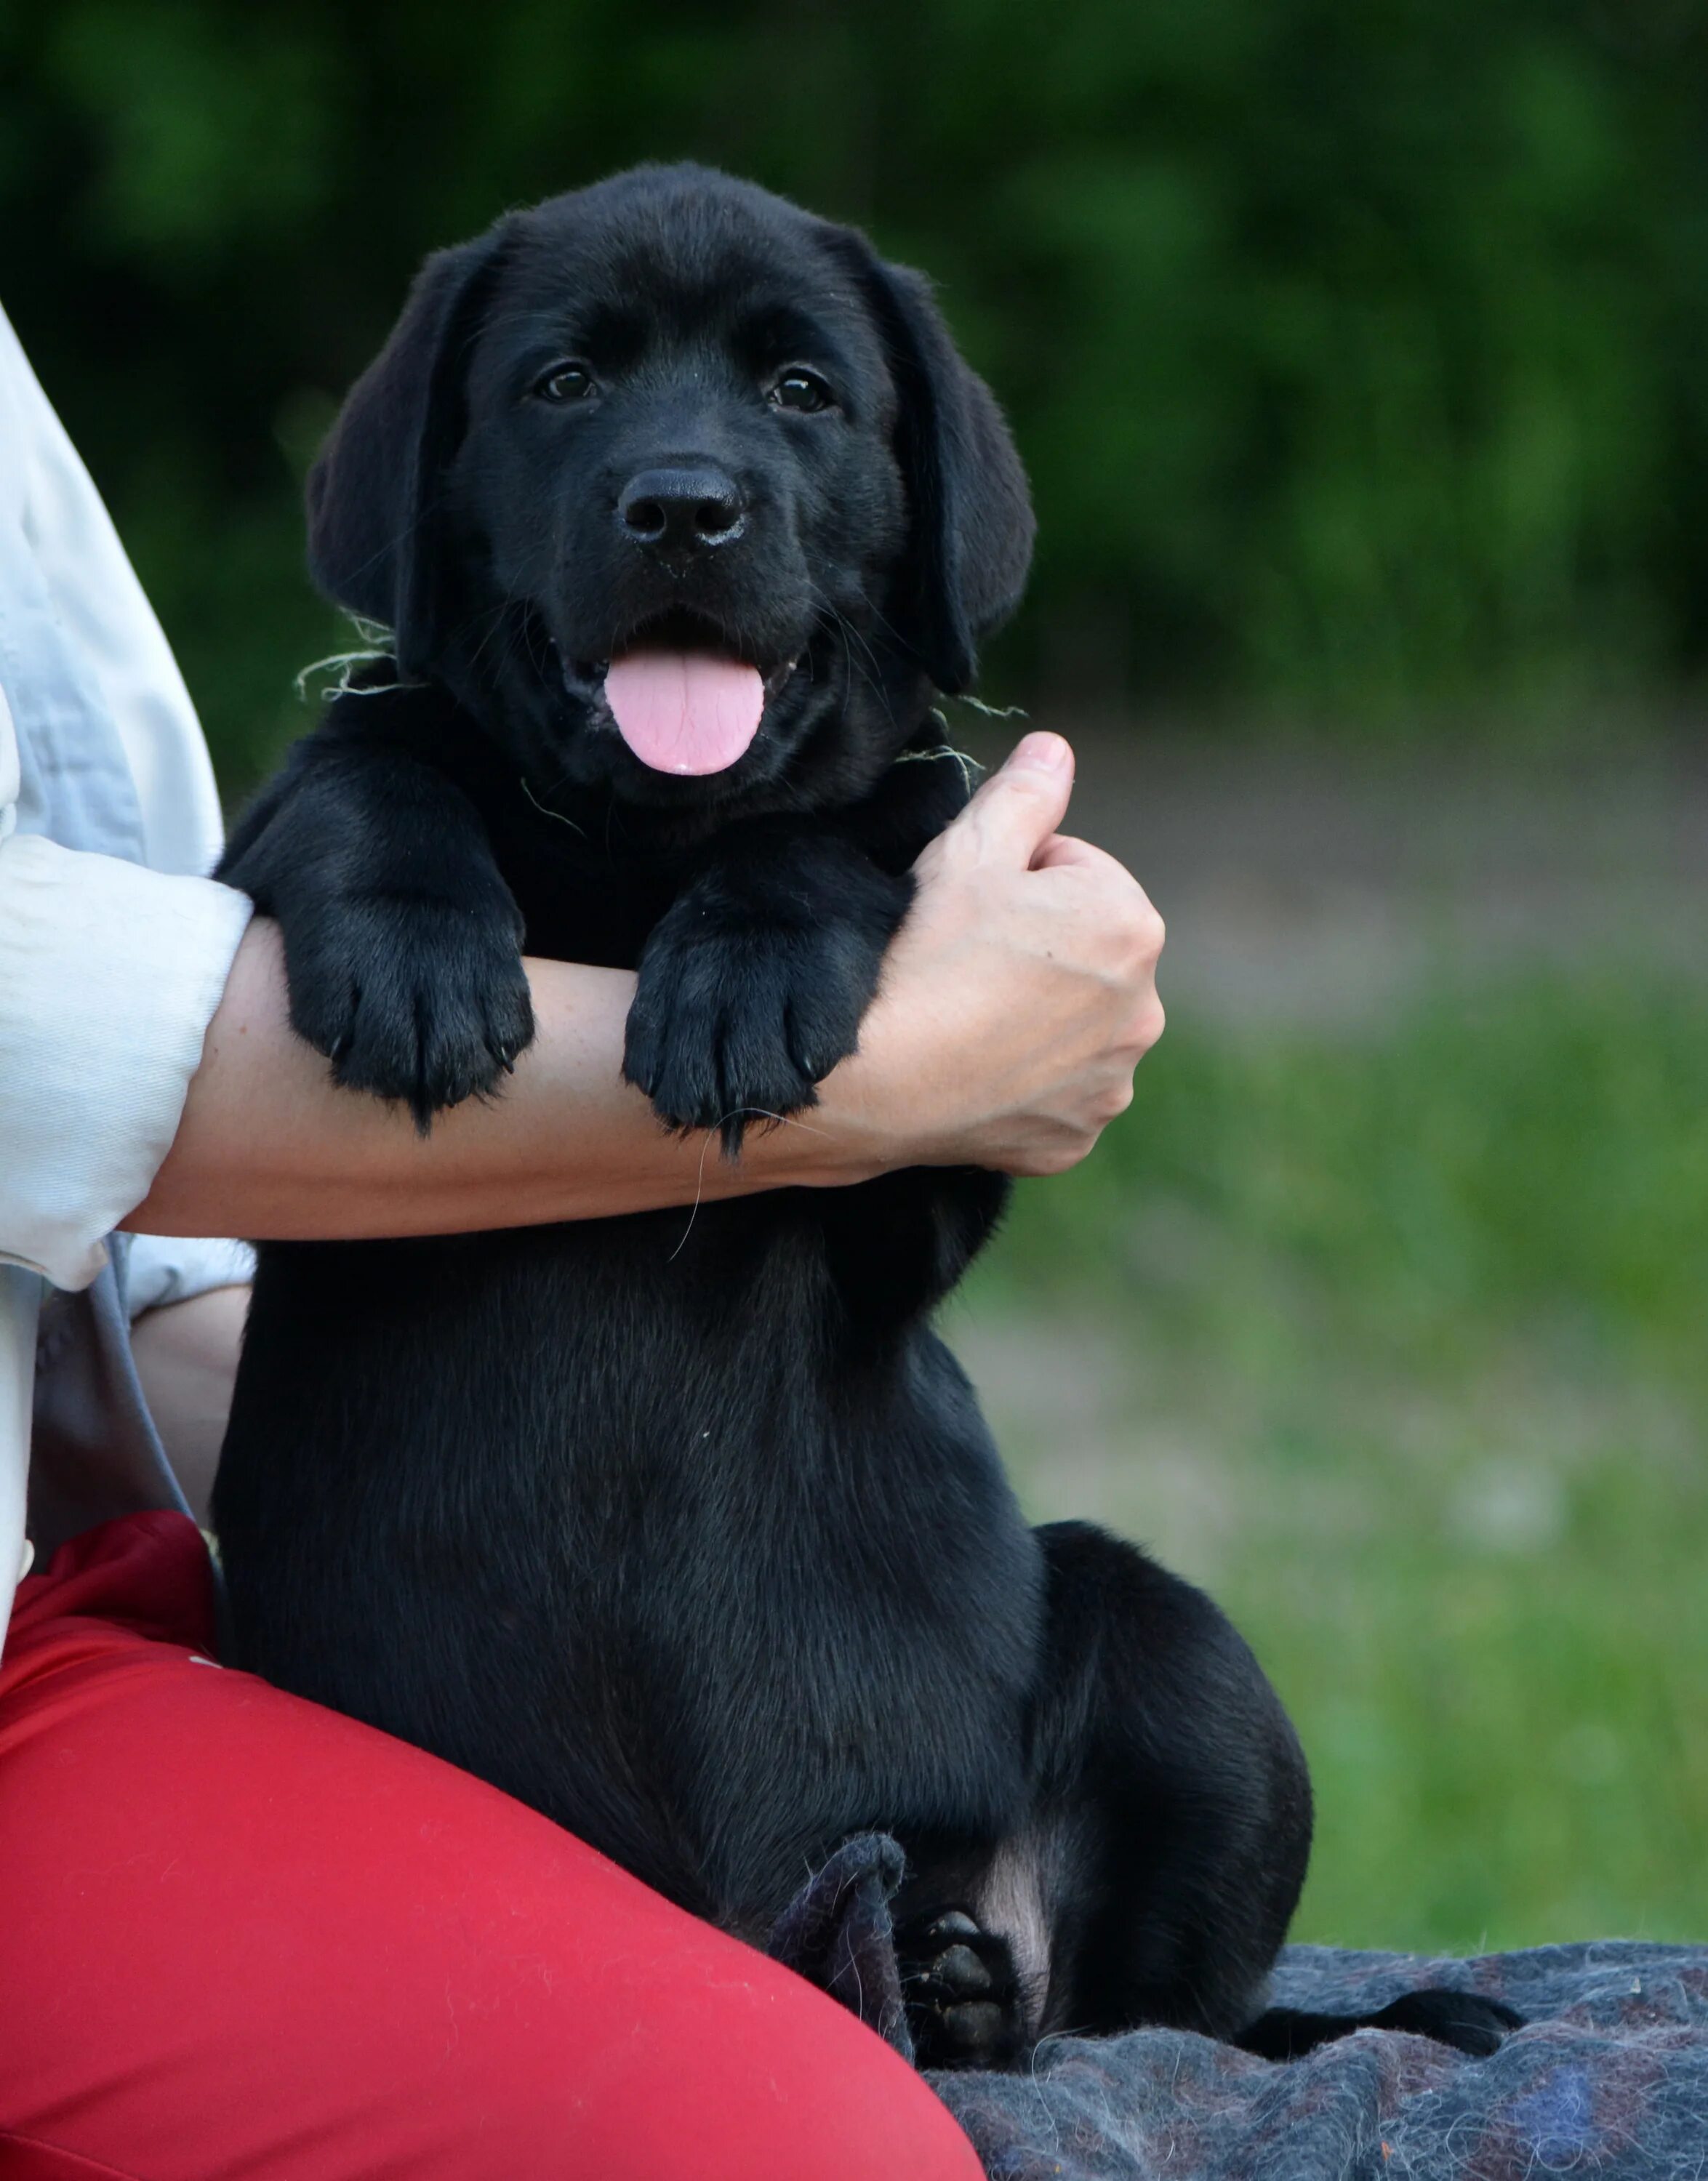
(1018, 998)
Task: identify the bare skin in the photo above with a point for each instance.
(186, 1358)
(1018, 999)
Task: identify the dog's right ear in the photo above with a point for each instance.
(376, 492)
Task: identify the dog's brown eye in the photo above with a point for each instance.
(803, 390)
(565, 382)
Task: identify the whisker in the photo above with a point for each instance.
(545, 812)
(867, 670)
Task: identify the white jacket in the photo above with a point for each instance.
(114, 948)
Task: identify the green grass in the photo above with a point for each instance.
(1398, 1344)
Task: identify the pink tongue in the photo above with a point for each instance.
(684, 711)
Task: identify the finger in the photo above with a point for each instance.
(1021, 806)
(1062, 850)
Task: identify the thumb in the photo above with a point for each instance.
(1022, 805)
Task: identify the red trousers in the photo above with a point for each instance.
(242, 1936)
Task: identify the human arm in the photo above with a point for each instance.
(185, 1355)
(1018, 998)
(113, 951)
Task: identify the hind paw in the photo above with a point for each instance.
(963, 1999)
(1463, 2019)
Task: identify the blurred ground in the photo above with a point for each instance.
(1380, 1313)
(1330, 886)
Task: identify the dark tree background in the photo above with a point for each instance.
(1357, 346)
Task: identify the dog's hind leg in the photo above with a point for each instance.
(1172, 1800)
(1152, 1878)
(1172, 1822)
(1155, 1870)
(1463, 2019)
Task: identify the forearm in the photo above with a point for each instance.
(1016, 1001)
(269, 1147)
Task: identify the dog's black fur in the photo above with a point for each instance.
(688, 1531)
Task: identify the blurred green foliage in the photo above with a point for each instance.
(1396, 1343)
(1355, 344)
(1527, 1162)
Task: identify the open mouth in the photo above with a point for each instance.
(682, 698)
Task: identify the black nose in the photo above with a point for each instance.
(681, 511)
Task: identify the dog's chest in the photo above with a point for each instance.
(578, 906)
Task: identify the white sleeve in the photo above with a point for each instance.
(110, 975)
(167, 1269)
(109, 971)
(106, 620)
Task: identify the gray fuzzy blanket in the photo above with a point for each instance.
(1609, 2077)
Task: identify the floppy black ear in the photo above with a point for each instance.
(376, 492)
(973, 527)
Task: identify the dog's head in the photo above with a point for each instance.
(684, 493)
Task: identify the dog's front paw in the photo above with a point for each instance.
(727, 1028)
(420, 1001)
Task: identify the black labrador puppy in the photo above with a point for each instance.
(679, 506)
